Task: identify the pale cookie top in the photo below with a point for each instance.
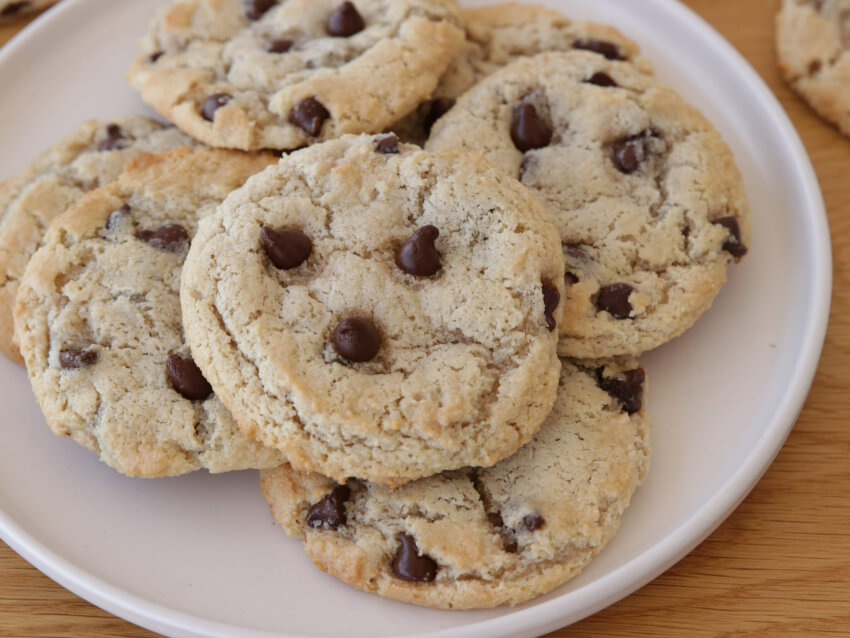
(377, 311)
(98, 317)
(813, 39)
(496, 35)
(646, 195)
(11, 9)
(92, 156)
(476, 538)
(262, 74)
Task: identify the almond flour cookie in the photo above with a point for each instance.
(477, 538)
(98, 317)
(11, 9)
(496, 35)
(645, 193)
(92, 156)
(377, 311)
(266, 74)
(813, 39)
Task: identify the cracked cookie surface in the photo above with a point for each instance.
(377, 311)
(98, 317)
(477, 538)
(266, 74)
(646, 195)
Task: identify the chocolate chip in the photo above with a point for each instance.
(631, 152)
(118, 217)
(213, 103)
(418, 255)
(387, 145)
(509, 544)
(345, 21)
(733, 244)
(570, 279)
(168, 237)
(615, 299)
(608, 49)
(187, 378)
(13, 8)
(409, 565)
(528, 130)
(255, 9)
(286, 247)
(601, 79)
(551, 297)
(74, 358)
(628, 389)
(434, 110)
(279, 46)
(329, 513)
(114, 138)
(356, 339)
(309, 115)
(533, 522)
(156, 55)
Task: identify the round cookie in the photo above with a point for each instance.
(11, 9)
(813, 41)
(377, 311)
(98, 317)
(92, 156)
(646, 195)
(477, 538)
(496, 35)
(256, 74)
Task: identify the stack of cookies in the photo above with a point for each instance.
(399, 256)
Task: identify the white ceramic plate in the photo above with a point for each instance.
(200, 556)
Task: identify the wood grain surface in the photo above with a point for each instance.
(779, 566)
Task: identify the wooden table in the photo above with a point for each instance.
(780, 565)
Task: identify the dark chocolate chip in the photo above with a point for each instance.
(409, 565)
(615, 299)
(356, 339)
(570, 279)
(434, 110)
(418, 255)
(627, 389)
(213, 103)
(13, 8)
(733, 244)
(600, 79)
(528, 130)
(551, 297)
(74, 358)
(608, 49)
(115, 138)
(345, 21)
(279, 46)
(631, 152)
(287, 247)
(255, 9)
(309, 115)
(156, 55)
(329, 513)
(168, 237)
(187, 378)
(117, 217)
(533, 522)
(387, 145)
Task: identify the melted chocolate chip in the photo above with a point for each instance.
(434, 110)
(114, 138)
(409, 565)
(528, 130)
(168, 237)
(286, 247)
(156, 55)
(631, 152)
(255, 9)
(187, 378)
(345, 21)
(733, 244)
(329, 513)
(13, 8)
(627, 389)
(418, 255)
(533, 522)
(74, 358)
(356, 339)
(615, 299)
(600, 79)
(551, 297)
(387, 145)
(117, 217)
(279, 46)
(608, 49)
(213, 103)
(309, 115)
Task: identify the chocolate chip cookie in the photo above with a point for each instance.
(92, 156)
(266, 74)
(646, 195)
(476, 538)
(377, 311)
(98, 318)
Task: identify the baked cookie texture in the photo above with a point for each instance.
(263, 74)
(11, 9)
(813, 42)
(648, 201)
(98, 317)
(93, 156)
(345, 359)
(499, 34)
(478, 538)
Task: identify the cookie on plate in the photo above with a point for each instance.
(646, 195)
(496, 35)
(92, 156)
(266, 74)
(813, 40)
(477, 538)
(377, 311)
(98, 318)
(10, 9)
